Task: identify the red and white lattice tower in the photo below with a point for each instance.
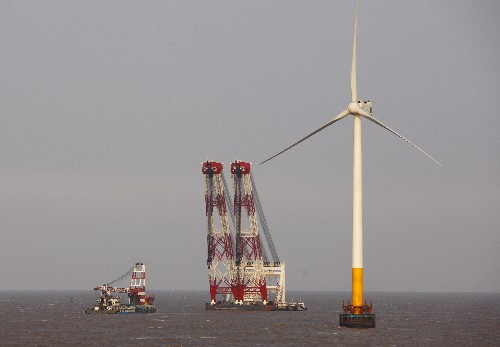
(137, 290)
(250, 285)
(220, 260)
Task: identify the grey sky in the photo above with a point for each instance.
(109, 107)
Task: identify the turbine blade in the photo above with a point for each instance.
(339, 117)
(354, 88)
(376, 121)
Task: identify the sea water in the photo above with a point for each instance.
(34, 318)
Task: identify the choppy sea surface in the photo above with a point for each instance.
(38, 318)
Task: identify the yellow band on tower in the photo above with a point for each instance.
(357, 286)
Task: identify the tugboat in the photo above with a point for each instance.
(109, 303)
(296, 306)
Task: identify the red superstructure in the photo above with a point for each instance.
(238, 272)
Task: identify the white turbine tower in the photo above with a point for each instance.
(357, 314)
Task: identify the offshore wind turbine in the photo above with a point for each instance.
(356, 314)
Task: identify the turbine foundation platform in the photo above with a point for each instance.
(360, 317)
(359, 321)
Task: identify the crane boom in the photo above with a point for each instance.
(263, 222)
(121, 278)
(239, 271)
(229, 204)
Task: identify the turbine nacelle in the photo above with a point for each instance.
(355, 107)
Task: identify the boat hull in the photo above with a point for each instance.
(224, 305)
(123, 309)
(94, 311)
